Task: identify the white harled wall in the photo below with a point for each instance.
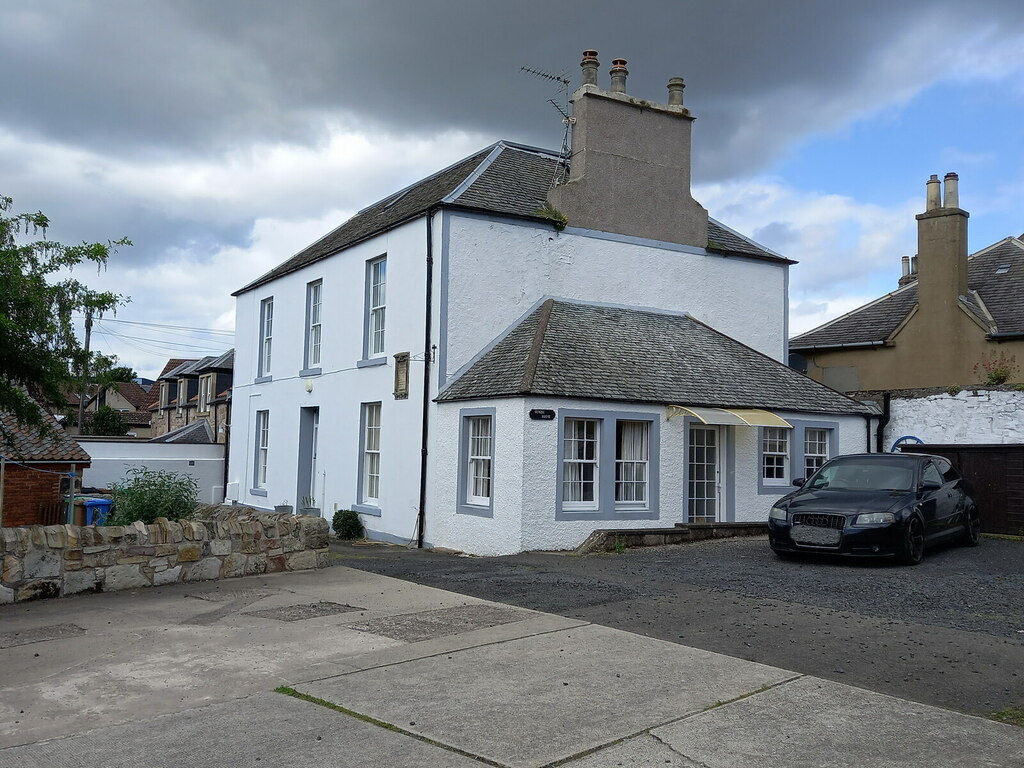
(497, 269)
(526, 476)
(342, 386)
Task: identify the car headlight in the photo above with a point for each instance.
(875, 518)
(778, 513)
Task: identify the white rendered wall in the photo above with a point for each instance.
(498, 269)
(111, 460)
(341, 388)
(526, 476)
(972, 416)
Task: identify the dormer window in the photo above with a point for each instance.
(205, 392)
(182, 393)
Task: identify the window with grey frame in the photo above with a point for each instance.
(775, 455)
(816, 445)
(262, 449)
(632, 454)
(266, 337)
(580, 466)
(371, 455)
(314, 309)
(480, 453)
(376, 304)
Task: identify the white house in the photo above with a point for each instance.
(517, 350)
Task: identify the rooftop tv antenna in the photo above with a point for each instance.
(563, 83)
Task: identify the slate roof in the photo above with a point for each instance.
(505, 178)
(599, 352)
(28, 444)
(196, 433)
(1002, 295)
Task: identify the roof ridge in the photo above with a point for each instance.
(856, 310)
(1018, 241)
(533, 358)
(476, 173)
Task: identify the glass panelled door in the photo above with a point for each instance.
(704, 483)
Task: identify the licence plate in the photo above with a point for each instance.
(819, 537)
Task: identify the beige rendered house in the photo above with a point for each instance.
(954, 320)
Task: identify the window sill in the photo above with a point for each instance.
(305, 373)
(262, 379)
(371, 363)
(476, 510)
(366, 509)
(257, 492)
(607, 514)
(772, 489)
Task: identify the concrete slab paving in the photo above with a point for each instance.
(172, 648)
(813, 722)
(535, 700)
(268, 729)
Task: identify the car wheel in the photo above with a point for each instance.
(972, 531)
(913, 542)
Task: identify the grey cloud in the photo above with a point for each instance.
(200, 76)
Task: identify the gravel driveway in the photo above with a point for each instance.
(948, 632)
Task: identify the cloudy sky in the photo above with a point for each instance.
(222, 137)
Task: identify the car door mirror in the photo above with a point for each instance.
(799, 482)
(929, 485)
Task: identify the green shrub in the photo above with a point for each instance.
(147, 494)
(347, 524)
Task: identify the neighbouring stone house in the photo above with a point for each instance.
(193, 400)
(953, 319)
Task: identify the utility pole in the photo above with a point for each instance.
(85, 370)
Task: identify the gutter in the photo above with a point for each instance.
(1005, 335)
(848, 345)
(421, 519)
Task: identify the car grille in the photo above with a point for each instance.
(835, 522)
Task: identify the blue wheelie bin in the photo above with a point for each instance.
(96, 510)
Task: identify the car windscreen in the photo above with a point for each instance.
(864, 475)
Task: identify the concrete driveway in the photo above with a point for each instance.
(344, 667)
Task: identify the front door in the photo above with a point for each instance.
(704, 486)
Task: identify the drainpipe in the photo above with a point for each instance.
(886, 415)
(867, 425)
(421, 519)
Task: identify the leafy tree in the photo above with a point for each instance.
(39, 351)
(105, 421)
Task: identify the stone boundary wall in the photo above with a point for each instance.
(977, 415)
(56, 560)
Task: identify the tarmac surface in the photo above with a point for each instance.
(343, 667)
(948, 632)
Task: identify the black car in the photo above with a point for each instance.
(875, 505)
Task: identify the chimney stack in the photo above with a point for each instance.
(941, 261)
(951, 196)
(630, 167)
(932, 196)
(590, 65)
(618, 73)
(675, 91)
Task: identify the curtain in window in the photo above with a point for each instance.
(632, 454)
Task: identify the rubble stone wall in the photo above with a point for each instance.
(56, 560)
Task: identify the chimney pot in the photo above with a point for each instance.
(906, 265)
(932, 197)
(590, 65)
(675, 91)
(618, 73)
(951, 197)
